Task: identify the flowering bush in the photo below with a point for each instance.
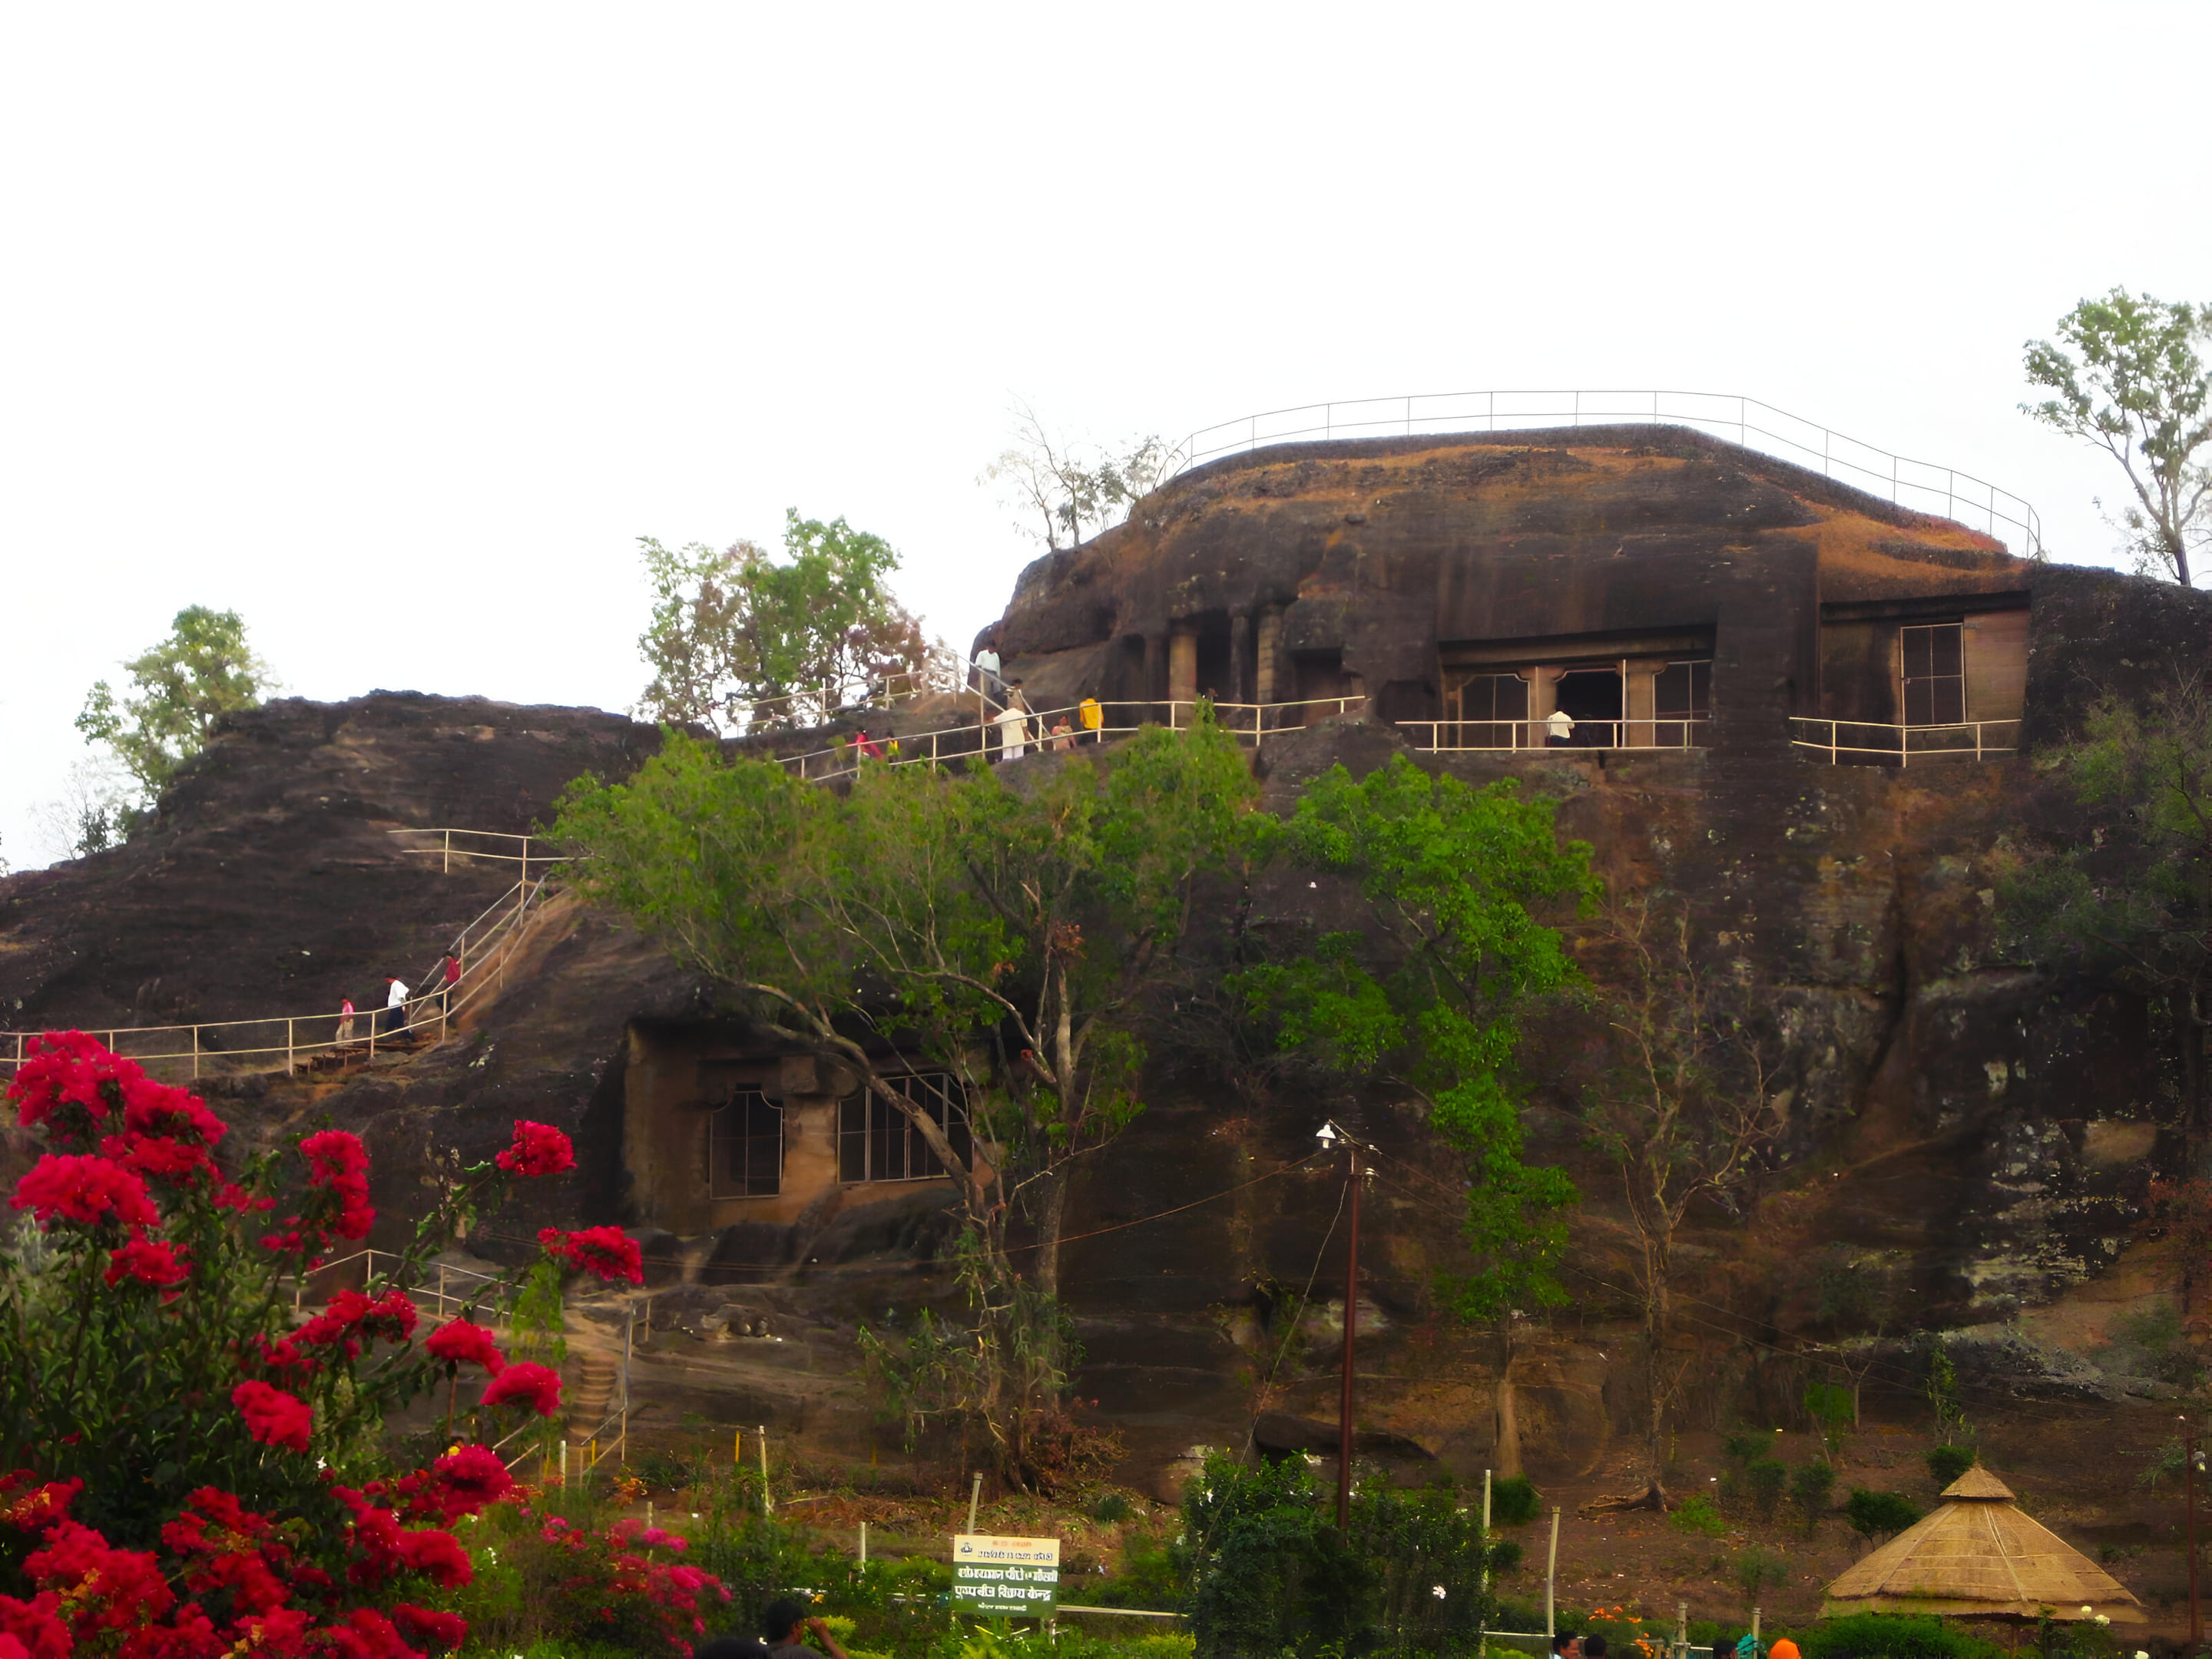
(192, 1474)
(607, 1251)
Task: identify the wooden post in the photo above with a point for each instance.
(290, 1062)
(1486, 1532)
(1552, 1575)
(1754, 1633)
(864, 1543)
(974, 1495)
(564, 1462)
(1681, 1630)
(441, 1290)
(449, 850)
(196, 1051)
(768, 1503)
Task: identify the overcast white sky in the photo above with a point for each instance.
(391, 327)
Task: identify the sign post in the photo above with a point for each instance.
(1018, 1576)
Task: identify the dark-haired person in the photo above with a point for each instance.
(779, 1627)
(1564, 1646)
(1593, 1647)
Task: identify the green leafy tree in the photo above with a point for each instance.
(2129, 374)
(1014, 939)
(1685, 1111)
(1455, 884)
(2125, 896)
(739, 640)
(1875, 1515)
(180, 688)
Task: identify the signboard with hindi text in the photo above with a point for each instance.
(1005, 1575)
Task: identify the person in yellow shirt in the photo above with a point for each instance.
(1092, 716)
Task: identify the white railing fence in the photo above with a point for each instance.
(1503, 737)
(1873, 743)
(1923, 486)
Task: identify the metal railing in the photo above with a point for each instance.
(1873, 743)
(994, 737)
(1755, 425)
(1508, 737)
(447, 1292)
(483, 949)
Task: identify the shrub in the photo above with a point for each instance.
(1515, 1502)
(1946, 1464)
(1756, 1570)
(1111, 1508)
(1810, 1487)
(1696, 1516)
(1876, 1514)
(1891, 1636)
(1742, 1447)
(1764, 1479)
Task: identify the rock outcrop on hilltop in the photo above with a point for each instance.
(1976, 1136)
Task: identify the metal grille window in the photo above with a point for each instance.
(1934, 662)
(1492, 708)
(876, 1141)
(744, 1147)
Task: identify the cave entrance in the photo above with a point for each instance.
(1321, 676)
(1591, 698)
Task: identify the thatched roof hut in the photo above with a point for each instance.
(1978, 1555)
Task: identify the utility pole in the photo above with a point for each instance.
(2189, 1457)
(1328, 1136)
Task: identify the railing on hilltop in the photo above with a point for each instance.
(483, 949)
(1514, 737)
(1755, 425)
(1877, 743)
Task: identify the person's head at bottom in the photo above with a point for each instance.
(1593, 1647)
(779, 1620)
(1562, 1645)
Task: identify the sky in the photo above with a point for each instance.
(393, 328)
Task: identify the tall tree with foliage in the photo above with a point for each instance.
(2125, 896)
(1686, 1104)
(1455, 884)
(2128, 374)
(180, 688)
(1012, 935)
(739, 640)
(1056, 487)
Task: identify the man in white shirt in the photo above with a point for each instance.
(1013, 723)
(395, 1006)
(986, 672)
(1558, 727)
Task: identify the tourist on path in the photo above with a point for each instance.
(395, 1006)
(1092, 717)
(452, 972)
(1013, 723)
(345, 1019)
(780, 1625)
(1558, 727)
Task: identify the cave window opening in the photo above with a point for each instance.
(1933, 669)
(745, 1147)
(1488, 711)
(1591, 697)
(876, 1141)
(1682, 701)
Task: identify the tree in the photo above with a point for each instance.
(1012, 937)
(1685, 1110)
(1056, 487)
(2135, 383)
(1875, 1515)
(203, 672)
(2125, 896)
(739, 640)
(1429, 995)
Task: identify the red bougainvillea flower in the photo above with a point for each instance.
(162, 1109)
(34, 1627)
(61, 1085)
(273, 1417)
(102, 1589)
(158, 1159)
(148, 1261)
(459, 1342)
(429, 1628)
(284, 1355)
(607, 1251)
(353, 1319)
(538, 1149)
(526, 1384)
(31, 1504)
(79, 1188)
(338, 1165)
(471, 1478)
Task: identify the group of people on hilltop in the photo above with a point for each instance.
(1019, 728)
(396, 993)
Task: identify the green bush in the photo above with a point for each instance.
(1515, 1502)
(1696, 1516)
(1109, 1508)
(1946, 1464)
(1757, 1569)
(1891, 1636)
(1742, 1447)
(1810, 1487)
(1879, 1514)
(1764, 1479)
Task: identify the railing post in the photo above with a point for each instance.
(449, 850)
(195, 1053)
(290, 1063)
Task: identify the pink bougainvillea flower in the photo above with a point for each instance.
(62, 1084)
(526, 1384)
(272, 1416)
(538, 1149)
(29, 1503)
(75, 1188)
(148, 1261)
(607, 1251)
(338, 1165)
(460, 1342)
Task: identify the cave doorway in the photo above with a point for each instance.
(1591, 698)
(1215, 661)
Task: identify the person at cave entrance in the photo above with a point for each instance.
(780, 1624)
(1559, 728)
(345, 1019)
(395, 1005)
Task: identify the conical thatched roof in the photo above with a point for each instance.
(1977, 1554)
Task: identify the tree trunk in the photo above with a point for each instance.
(1051, 1213)
(1506, 1457)
(2189, 1019)
(1657, 1308)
